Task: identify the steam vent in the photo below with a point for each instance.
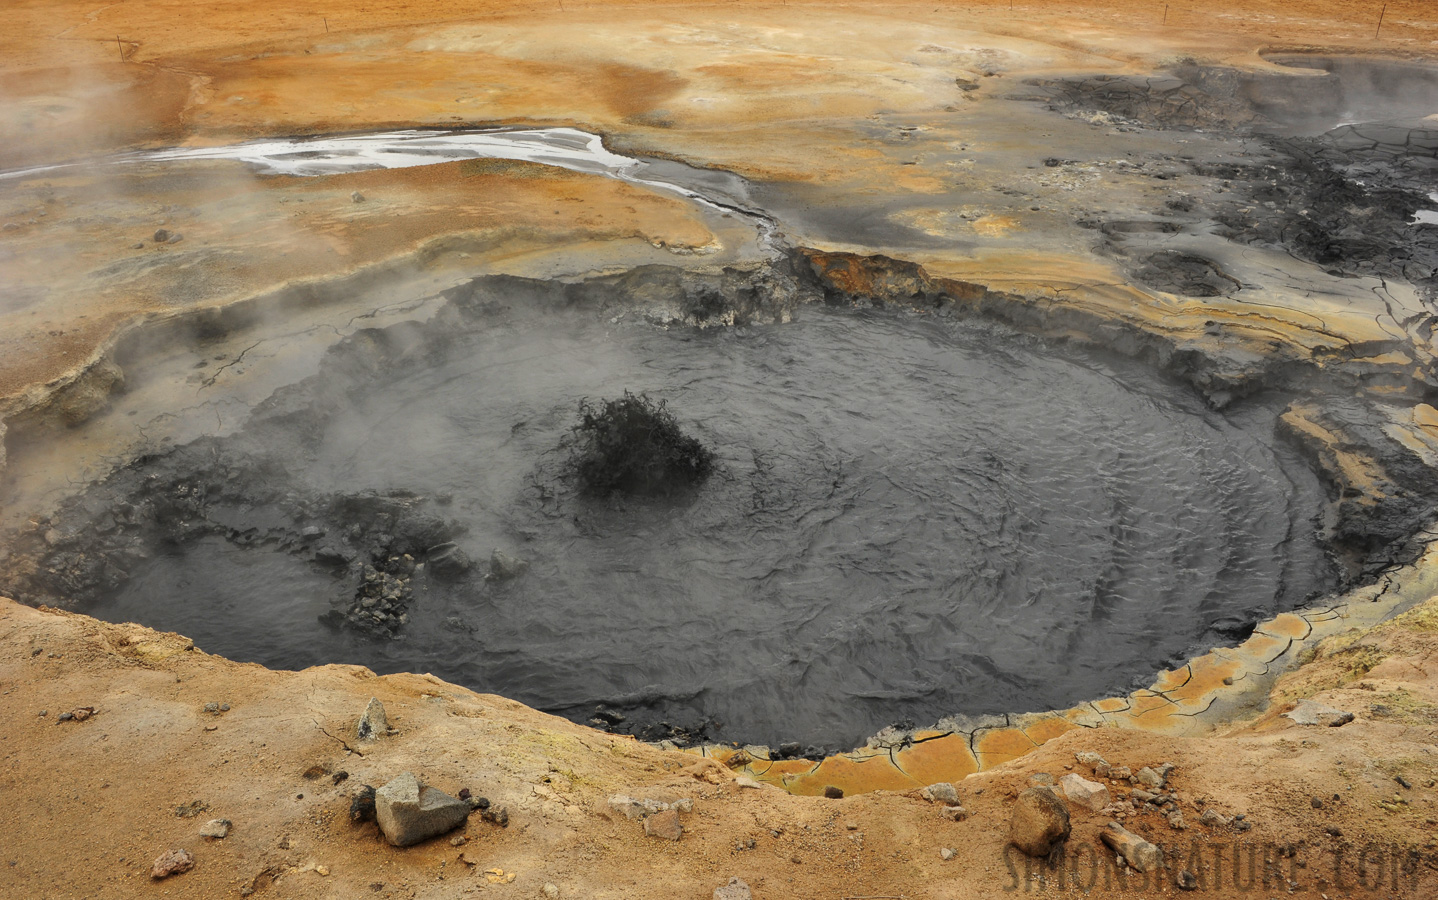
(749, 450)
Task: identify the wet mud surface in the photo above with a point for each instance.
(1336, 164)
(915, 515)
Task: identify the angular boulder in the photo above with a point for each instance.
(1040, 822)
(409, 812)
(1090, 795)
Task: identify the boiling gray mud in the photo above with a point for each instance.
(913, 518)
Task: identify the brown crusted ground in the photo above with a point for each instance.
(90, 804)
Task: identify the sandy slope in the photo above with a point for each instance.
(90, 804)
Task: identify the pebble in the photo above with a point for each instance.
(833, 793)
(550, 890)
(356, 197)
(44, 713)
(216, 829)
(735, 889)
(941, 792)
(947, 854)
(955, 813)
(172, 862)
(1186, 881)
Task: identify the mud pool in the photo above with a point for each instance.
(914, 518)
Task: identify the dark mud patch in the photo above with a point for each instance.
(1185, 274)
(915, 516)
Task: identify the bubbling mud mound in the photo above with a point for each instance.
(911, 516)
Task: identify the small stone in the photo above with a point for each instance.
(1150, 779)
(497, 816)
(664, 824)
(458, 840)
(1040, 821)
(1404, 782)
(356, 197)
(446, 561)
(362, 806)
(1311, 712)
(174, 862)
(315, 771)
(947, 853)
(161, 235)
(212, 708)
(745, 781)
(834, 793)
(175, 238)
(216, 829)
(44, 713)
(955, 813)
(941, 792)
(1090, 795)
(1090, 758)
(322, 871)
(1186, 881)
(1213, 819)
(1175, 820)
(550, 890)
(736, 889)
(503, 567)
(139, 245)
(1120, 773)
(373, 724)
(1316, 803)
(409, 812)
(1041, 779)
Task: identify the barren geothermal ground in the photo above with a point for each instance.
(1067, 375)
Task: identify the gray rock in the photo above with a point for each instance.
(1121, 773)
(1150, 779)
(736, 889)
(1040, 822)
(373, 724)
(665, 825)
(1186, 881)
(1041, 779)
(503, 567)
(947, 853)
(161, 235)
(408, 812)
(356, 197)
(1137, 852)
(175, 238)
(446, 561)
(1091, 795)
(955, 813)
(1213, 819)
(941, 792)
(550, 890)
(1311, 712)
(216, 829)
